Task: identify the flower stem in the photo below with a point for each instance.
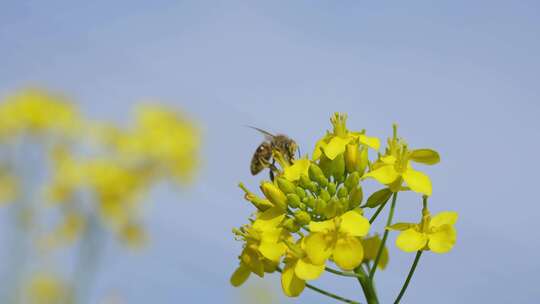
(411, 272)
(331, 295)
(385, 236)
(326, 293)
(367, 286)
(374, 216)
(341, 273)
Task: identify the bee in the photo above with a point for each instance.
(263, 156)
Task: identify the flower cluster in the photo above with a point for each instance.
(97, 169)
(312, 214)
(69, 177)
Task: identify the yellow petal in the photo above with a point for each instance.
(443, 218)
(385, 174)
(372, 142)
(354, 224)
(271, 250)
(443, 240)
(371, 247)
(323, 226)
(335, 147)
(269, 219)
(348, 253)
(411, 240)
(305, 270)
(299, 168)
(317, 248)
(292, 285)
(240, 275)
(417, 181)
(251, 259)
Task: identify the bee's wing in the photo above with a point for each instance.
(267, 134)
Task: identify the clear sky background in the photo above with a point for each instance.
(461, 77)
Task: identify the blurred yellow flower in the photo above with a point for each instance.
(8, 188)
(37, 111)
(45, 288)
(163, 139)
(69, 230)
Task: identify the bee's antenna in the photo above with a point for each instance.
(268, 134)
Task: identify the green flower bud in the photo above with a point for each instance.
(378, 197)
(305, 182)
(364, 160)
(285, 185)
(331, 188)
(313, 187)
(332, 208)
(274, 195)
(259, 203)
(302, 218)
(310, 202)
(338, 168)
(302, 206)
(300, 192)
(290, 225)
(326, 165)
(352, 158)
(320, 206)
(293, 200)
(344, 203)
(355, 198)
(342, 192)
(317, 175)
(324, 195)
(352, 180)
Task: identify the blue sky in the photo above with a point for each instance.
(457, 76)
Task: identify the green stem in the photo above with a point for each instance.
(367, 286)
(326, 293)
(411, 272)
(341, 273)
(331, 295)
(374, 216)
(385, 236)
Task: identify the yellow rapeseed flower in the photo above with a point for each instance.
(335, 143)
(338, 238)
(264, 245)
(9, 188)
(45, 288)
(37, 111)
(394, 167)
(432, 233)
(298, 270)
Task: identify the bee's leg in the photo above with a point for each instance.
(272, 168)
